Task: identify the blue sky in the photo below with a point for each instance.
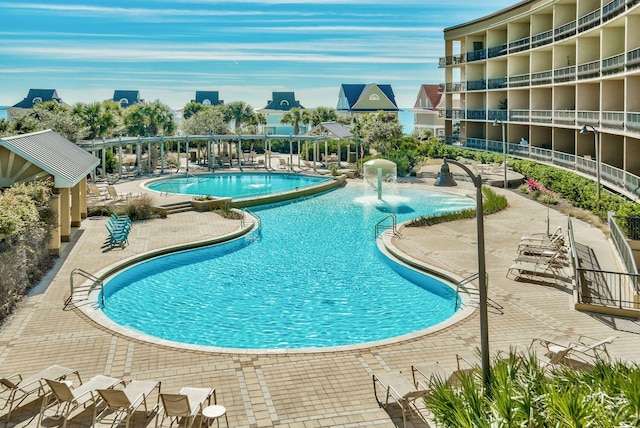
(244, 49)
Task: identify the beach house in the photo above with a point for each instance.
(279, 104)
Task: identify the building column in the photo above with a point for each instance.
(54, 241)
(65, 215)
(76, 205)
(83, 197)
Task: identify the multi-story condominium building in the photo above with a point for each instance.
(554, 79)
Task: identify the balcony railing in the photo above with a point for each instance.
(519, 80)
(613, 64)
(589, 118)
(499, 114)
(476, 114)
(564, 31)
(519, 115)
(542, 78)
(612, 9)
(542, 39)
(519, 45)
(589, 20)
(451, 60)
(455, 87)
(476, 85)
(565, 74)
(478, 55)
(564, 117)
(633, 58)
(613, 119)
(496, 51)
(497, 83)
(542, 116)
(589, 69)
(633, 122)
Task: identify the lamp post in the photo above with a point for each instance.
(498, 122)
(445, 179)
(585, 130)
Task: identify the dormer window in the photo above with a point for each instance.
(36, 100)
(124, 102)
(284, 103)
(206, 102)
(374, 97)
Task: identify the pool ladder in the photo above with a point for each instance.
(95, 282)
(474, 292)
(381, 226)
(243, 220)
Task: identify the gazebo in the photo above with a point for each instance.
(46, 155)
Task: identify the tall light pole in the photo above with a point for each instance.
(585, 130)
(445, 179)
(498, 122)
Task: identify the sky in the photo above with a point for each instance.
(245, 50)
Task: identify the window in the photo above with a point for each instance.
(206, 102)
(374, 97)
(124, 102)
(284, 103)
(36, 100)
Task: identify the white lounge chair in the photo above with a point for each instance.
(188, 404)
(396, 387)
(542, 268)
(583, 349)
(122, 403)
(67, 399)
(19, 388)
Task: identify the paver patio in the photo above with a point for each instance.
(301, 389)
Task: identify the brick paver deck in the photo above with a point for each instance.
(300, 389)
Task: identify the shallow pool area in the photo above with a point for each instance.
(235, 185)
(313, 278)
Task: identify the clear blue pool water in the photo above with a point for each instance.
(313, 278)
(237, 186)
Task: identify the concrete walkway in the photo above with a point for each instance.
(301, 389)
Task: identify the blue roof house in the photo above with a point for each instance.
(366, 98)
(277, 106)
(126, 98)
(34, 96)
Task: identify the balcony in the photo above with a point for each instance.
(497, 83)
(519, 80)
(496, 51)
(633, 122)
(451, 60)
(542, 116)
(476, 85)
(564, 74)
(454, 114)
(519, 45)
(588, 118)
(564, 117)
(455, 87)
(519, 115)
(613, 64)
(589, 20)
(612, 9)
(476, 114)
(589, 69)
(497, 114)
(478, 55)
(633, 58)
(542, 39)
(613, 119)
(565, 31)
(542, 78)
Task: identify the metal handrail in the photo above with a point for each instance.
(461, 283)
(86, 275)
(394, 225)
(254, 215)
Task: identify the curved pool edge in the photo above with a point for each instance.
(331, 183)
(92, 310)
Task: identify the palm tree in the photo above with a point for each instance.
(322, 114)
(293, 117)
(239, 112)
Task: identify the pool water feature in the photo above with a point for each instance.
(236, 185)
(313, 278)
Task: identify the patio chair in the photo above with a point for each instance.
(541, 269)
(283, 163)
(93, 191)
(398, 388)
(428, 372)
(187, 404)
(122, 403)
(67, 399)
(542, 237)
(115, 195)
(585, 349)
(20, 388)
(554, 243)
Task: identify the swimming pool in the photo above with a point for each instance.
(313, 278)
(236, 185)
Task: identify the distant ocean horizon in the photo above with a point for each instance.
(405, 117)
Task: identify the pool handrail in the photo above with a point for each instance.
(394, 226)
(96, 282)
(254, 215)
